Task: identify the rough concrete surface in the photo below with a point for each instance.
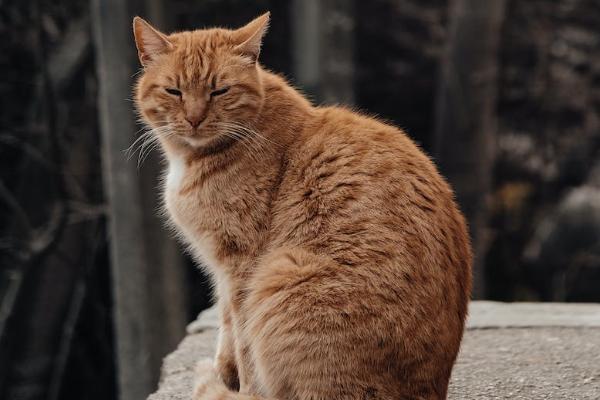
(528, 363)
(510, 351)
(491, 314)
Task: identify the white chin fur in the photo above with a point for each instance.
(196, 142)
(176, 173)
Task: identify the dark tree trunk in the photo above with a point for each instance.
(323, 43)
(149, 291)
(466, 115)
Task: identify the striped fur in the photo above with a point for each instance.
(341, 264)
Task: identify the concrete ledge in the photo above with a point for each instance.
(510, 351)
(491, 314)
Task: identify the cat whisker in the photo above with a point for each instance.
(150, 145)
(131, 149)
(242, 139)
(252, 135)
(147, 142)
(139, 142)
(254, 132)
(149, 131)
(145, 148)
(254, 147)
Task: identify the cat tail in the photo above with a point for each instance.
(208, 385)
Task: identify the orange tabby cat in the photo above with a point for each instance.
(340, 260)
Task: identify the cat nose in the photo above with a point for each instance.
(194, 120)
(195, 110)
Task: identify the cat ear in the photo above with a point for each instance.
(150, 42)
(249, 37)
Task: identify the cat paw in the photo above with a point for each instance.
(205, 380)
(205, 370)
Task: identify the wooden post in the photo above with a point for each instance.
(465, 116)
(305, 45)
(169, 269)
(337, 51)
(323, 48)
(147, 280)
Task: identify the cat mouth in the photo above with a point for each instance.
(195, 140)
(210, 134)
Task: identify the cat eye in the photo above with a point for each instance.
(174, 92)
(219, 92)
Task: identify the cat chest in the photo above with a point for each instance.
(183, 208)
(192, 213)
(175, 202)
(176, 172)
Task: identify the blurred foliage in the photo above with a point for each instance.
(55, 317)
(548, 150)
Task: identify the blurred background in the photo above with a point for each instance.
(503, 94)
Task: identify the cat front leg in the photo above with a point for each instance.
(208, 386)
(225, 360)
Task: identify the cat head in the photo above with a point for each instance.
(196, 86)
